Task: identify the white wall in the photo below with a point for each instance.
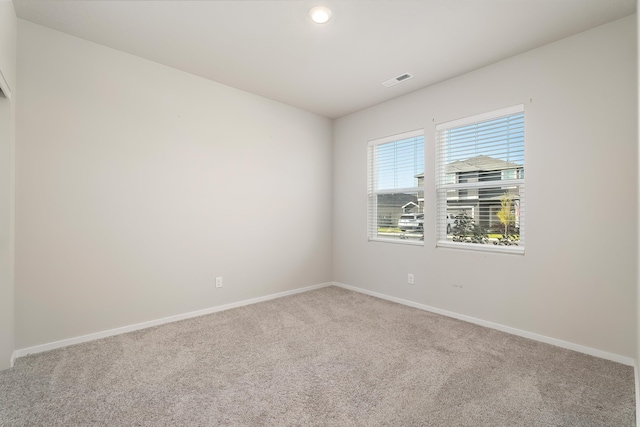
(137, 184)
(576, 281)
(638, 261)
(7, 69)
(8, 30)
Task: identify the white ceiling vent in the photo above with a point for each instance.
(394, 81)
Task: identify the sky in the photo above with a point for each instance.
(398, 162)
(501, 138)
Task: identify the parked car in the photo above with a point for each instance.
(451, 222)
(411, 221)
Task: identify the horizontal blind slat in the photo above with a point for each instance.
(480, 180)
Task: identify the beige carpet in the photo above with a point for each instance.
(328, 357)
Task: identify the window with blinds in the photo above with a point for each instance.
(396, 188)
(480, 181)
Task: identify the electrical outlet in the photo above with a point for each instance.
(219, 282)
(410, 279)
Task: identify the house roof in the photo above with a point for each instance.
(396, 199)
(480, 163)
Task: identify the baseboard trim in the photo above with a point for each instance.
(144, 325)
(536, 337)
(636, 374)
(514, 331)
(12, 361)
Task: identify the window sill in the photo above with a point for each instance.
(398, 241)
(477, 247)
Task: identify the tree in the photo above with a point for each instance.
(505, 214)
(466, 230)
(508, 218)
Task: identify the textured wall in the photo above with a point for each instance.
(7, 68)
(137, 185)
(576, 282)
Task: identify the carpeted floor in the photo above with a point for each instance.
(328, 357)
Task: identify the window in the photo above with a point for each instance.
(396, 188)
(480, 181)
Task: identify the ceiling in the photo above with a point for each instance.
(272, 49)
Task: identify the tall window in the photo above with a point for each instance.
(480, 181)
(396, 188)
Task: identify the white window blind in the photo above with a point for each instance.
(480, 181)
(396, 188)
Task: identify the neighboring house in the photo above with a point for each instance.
(481, 204)
(412, 207)
(391, 206)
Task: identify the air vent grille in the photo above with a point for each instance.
(399, 79)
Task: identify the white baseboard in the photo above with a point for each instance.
(12, 361)
(548, 340)
(117, 331)
(553, 341)
(635, 371)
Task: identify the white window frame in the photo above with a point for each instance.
(442, 186)
(372, 206)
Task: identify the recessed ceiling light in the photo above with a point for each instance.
(320, 14)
